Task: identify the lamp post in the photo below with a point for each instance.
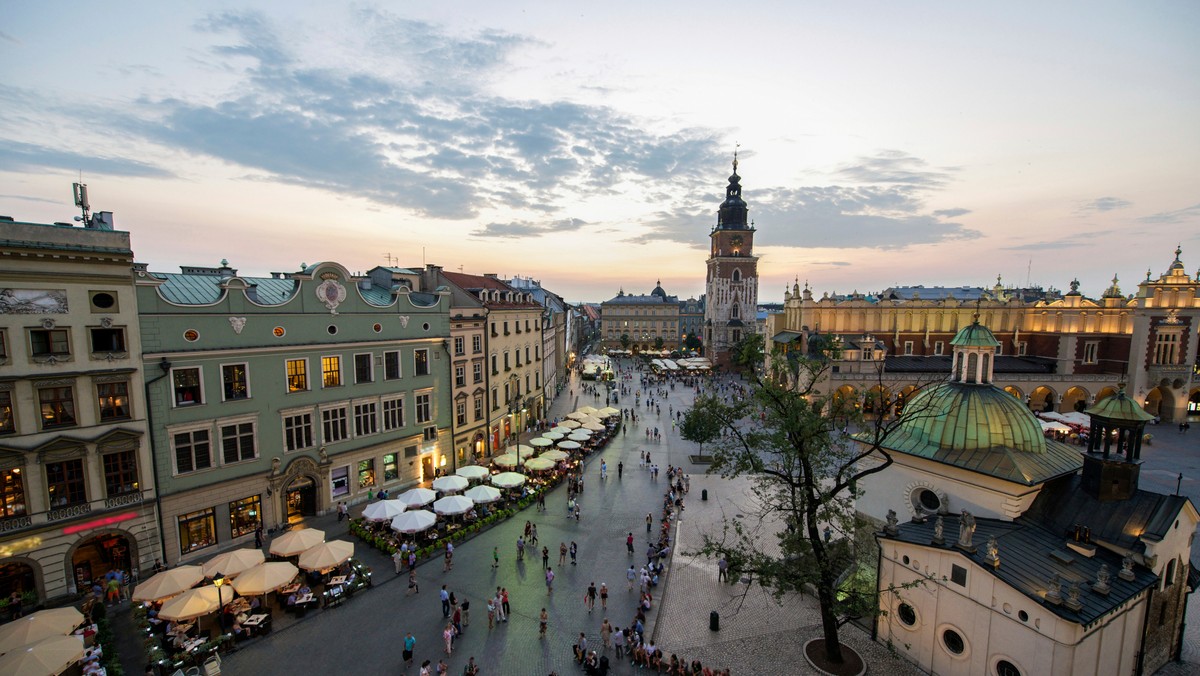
(218, 582)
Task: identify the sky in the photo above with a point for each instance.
(588, 145)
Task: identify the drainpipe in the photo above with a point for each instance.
(162, 538)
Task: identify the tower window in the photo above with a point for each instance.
(737, 275)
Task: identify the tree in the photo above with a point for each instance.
(692, 342)
(658, 343)
(785, 435)
(625, 341)
(701, 429)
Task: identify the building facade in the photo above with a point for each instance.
(691, 322)
(640, 322)
(287, 394)
(731, 283)
(75, 464)
(1056, 352)
(554, 333)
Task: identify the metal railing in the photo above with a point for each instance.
(14, 524)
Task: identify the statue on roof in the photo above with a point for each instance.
(966, 530)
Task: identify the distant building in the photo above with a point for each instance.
(691, 321)
(731, 285)
(555, 333)
(640, 322)
(77, 484)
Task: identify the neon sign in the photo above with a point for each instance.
(99, 523)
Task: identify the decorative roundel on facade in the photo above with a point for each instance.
(331, 329)
(1006, 668)
(906, 614)
(278, 331)
(425, 326)
(191, 335)
(953, 642)
(377, 328)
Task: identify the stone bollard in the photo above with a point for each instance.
(704, 494)
(714, 621)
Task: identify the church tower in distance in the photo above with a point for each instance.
(731, 287)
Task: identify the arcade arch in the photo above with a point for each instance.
(1074, 399)
(1042, 399)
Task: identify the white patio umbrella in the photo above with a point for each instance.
(326, 555)
(595, 427)
(265, 578)
(569, 424)
(561, 429)
(47, 656)
(414, 522)
(450, 484)
(417, 497)
(541, 442)
(473, 472)
(507, 460)
(587, 409)
(168, 583)
(581, 432)
(555, 436)
(523, 452)
(508, 479)
(539, 464)
(383, 510)
(482, 493)
(608, 412)
(294, 542)
(453, 504)
(231, 564)
(41, 625)
(568, 444)
(555, 455)
(577, 415)
(196, 602)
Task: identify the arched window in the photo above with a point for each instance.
(734, 312)
(987, 367)
(972, 366)
(737, 275)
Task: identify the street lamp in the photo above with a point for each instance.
(218, 581)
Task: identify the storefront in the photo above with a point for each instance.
(99, 554)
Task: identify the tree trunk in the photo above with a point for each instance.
(826, 590)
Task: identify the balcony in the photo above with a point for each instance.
(15, 524)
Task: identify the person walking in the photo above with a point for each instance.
(562, 553)
(412, 582)
(722, 570)
(631, 575)
(448, 638)
(456, 620)
(495, 557)
(258, 540)
(605, 634)
(491, 608)
(504, 602)
(500, 617)
(589, 597)
(649, 521)
(604, 596)
(449, 563)
(398, 561)
(543, 620)
(620, 469)
(618, 640)
(574, 551)
(444, 595)
(409, 644)
(533, 538)
(629, 543)
(549, 580)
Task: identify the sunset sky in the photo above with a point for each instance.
(588, 145)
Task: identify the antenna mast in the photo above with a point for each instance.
(81, 201)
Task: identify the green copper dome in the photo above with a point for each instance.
(975, 335)
(1119, 407)
(983, 429)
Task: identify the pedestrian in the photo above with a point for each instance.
(604, 596)
(631, 575)
(649, 521)
(562, 553)
(545, 557)
(504, 602)
(629, 543)
(543, 620)
(456, 620)
(444, 595)
(605, 633)
(448, 638)
(412, 582)
(425, 669)
(533, 538)
(589, 597)
(466, 613)
(339, 512)
(409, 644)
(398, 561)
(620, 469)
(549, 580)
(574, 551)
(491, 608)
(499, 606)
(722, 570)
(618, 640)
(471, 669)
(412, 558)
(495, 557)
(258, 541)
(449, 564)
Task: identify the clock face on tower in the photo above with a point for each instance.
(736, 241)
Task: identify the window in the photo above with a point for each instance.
(331, 371)
(907, 615)
(506, 328)
(1021, 347)
(410, 451)
(494, 371)
(108, 340)
(192, 451)
(939, 348)
(8, 421)
(365, 420)
(476, 344)
(65, 483)
(235, 383)
(12, 493)
(953, 642)
(333, 424)
(237, 442)
(120, 473)
(103, 301)
(460, 376)
(430, 433)
(364, 368)
(925, 499)
(495, 399)
(421, 362)
(244, 515)
(297, 375)
(188, 390)
(424, 408)
(1166, 349)
(113, 399)
(3, 345)
(391, 469)
(958, 575)
(507, 365)
(58, 406)
(297, 431)
(527, 354)
(478, 407)
(49, 342)
(460, 413)
(908, 347)
(1169, 575)
(393, 414)
(460, 346)
(1006, 668)
(1090, 350)
(477, 372)
(366, 473)
(339, 481)
(197, 530)
(537, 353)
(391, 365)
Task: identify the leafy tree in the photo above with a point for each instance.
(692, 342)
(658, 343)
(701, 429)
(625, 341)
(785, 435)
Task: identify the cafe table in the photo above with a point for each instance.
(339, 580)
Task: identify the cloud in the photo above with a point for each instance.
(31, 199)
(1102, 204)
(1068, 242)
(895, 167)
(8, 38)
(17, 156)
(528, 229)
(1184, 215)
(951, 213)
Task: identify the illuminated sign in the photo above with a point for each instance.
(99, 523)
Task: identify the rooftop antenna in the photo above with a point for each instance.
(392, 260)
(81, 200)
(1029, 273)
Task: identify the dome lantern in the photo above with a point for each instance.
(974, 349)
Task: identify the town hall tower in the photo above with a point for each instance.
(731, 286)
